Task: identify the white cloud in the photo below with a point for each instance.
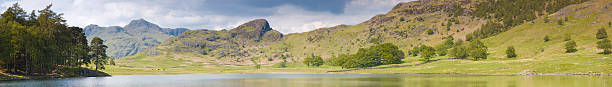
(187, 13)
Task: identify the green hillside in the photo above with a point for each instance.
(407, 25)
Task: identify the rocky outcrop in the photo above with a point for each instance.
(224, 43)
(254, 31)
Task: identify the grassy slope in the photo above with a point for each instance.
(534, 53)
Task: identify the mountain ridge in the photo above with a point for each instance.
(133, 37)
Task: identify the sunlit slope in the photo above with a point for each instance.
(535, 55)
(583, 22)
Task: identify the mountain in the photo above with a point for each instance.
(498, 23)
(132, 38)
(220, 45)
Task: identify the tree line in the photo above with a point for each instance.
(380, 54)
(40, 42)
(454, 48)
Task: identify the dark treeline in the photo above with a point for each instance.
(509, 13)
(41, 43)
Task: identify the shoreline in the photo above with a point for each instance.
(454, 74)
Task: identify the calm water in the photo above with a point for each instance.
(318, 80)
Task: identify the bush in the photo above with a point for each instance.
(283, 64)
(546, 38)
(430, 32)
(570, 47)
(510, 52)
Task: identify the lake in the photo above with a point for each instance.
(318, 80)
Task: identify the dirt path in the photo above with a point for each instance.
(392, 66)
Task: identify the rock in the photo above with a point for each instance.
(527, 72)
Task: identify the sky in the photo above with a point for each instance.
(286, 16)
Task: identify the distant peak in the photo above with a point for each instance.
(141, 22)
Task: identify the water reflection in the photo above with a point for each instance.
(317, 80)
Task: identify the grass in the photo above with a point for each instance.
(505, 66)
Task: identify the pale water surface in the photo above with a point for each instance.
(317, 80)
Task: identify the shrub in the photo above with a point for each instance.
(510, 52)
(430, 32)
(546, 38)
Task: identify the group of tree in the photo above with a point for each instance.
(313, 60)
(505, 14)
(475, 49)
(604, 42)
(381, 54)
(40, 42)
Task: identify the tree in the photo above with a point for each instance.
(98, 53)
(601, 33)
(442, 49)
(430, 32)
(546, 38)
(478, 50)
(458, 50)
(605, 45)
(313, 61)
(570, 47)
(40, 42)
(510, 52)
(609, 24)
(427, 53)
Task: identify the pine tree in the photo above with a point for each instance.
(601, 33)
(98, 53)
(510, 52)
(570, 47)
